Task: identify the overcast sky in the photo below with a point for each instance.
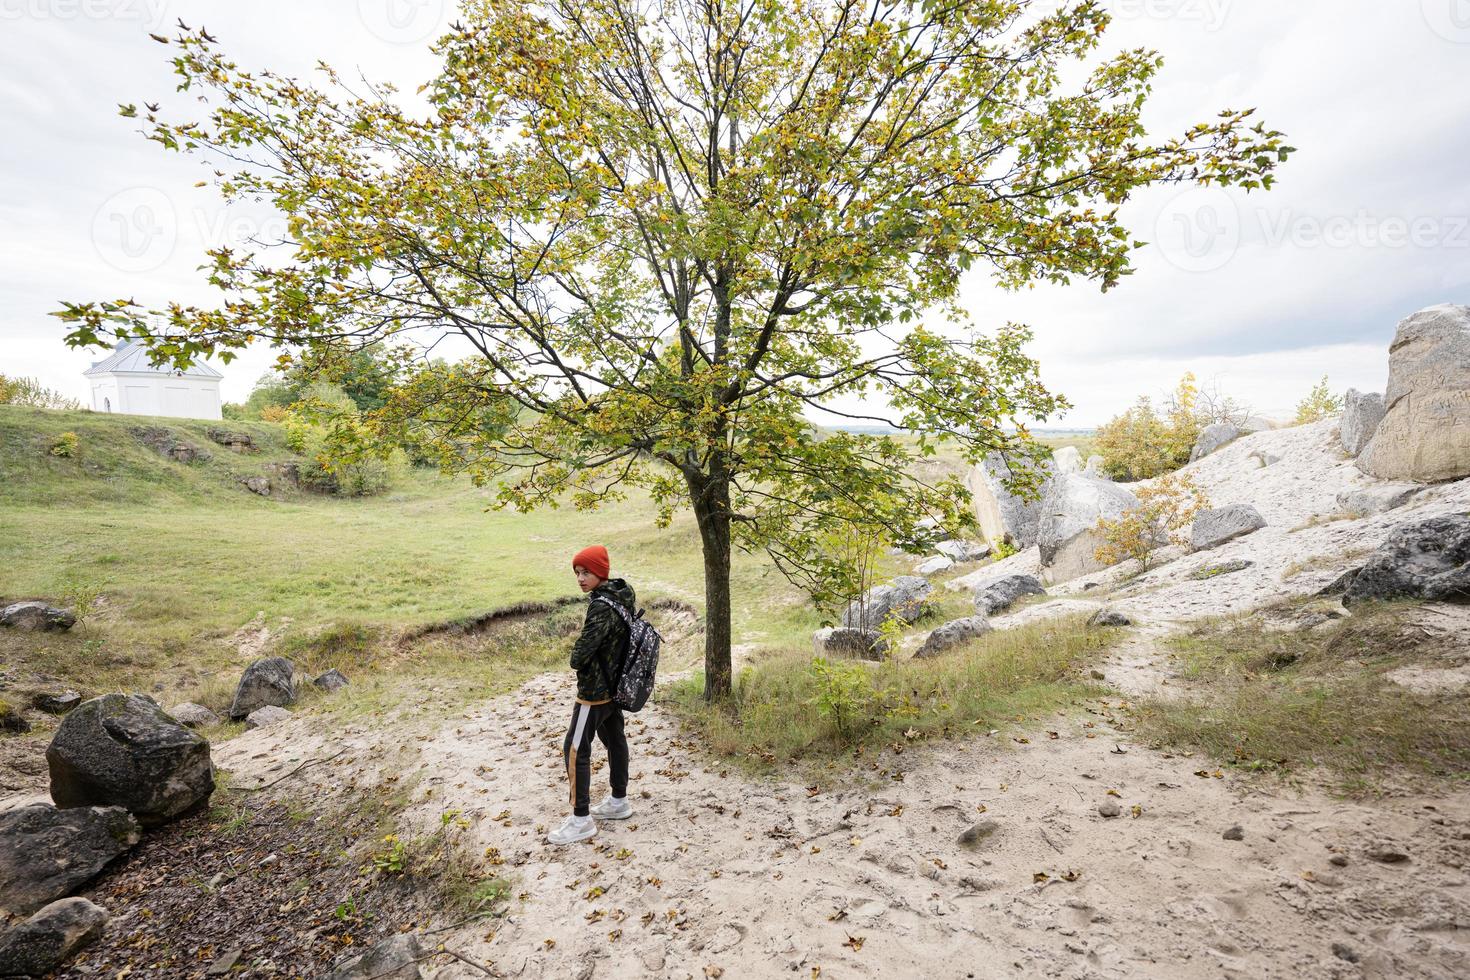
(1261, 294)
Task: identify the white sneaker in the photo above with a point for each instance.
(613, 808)
(575, 829)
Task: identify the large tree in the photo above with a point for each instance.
(668, 228)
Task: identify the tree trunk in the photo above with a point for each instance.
(711, 499)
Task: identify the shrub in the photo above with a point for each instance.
(31, 393)
(332, 468)
(1165, 508)
(844, 692)
(1319, 404)
(1002, 548)
(66, 445)
(1145, 442)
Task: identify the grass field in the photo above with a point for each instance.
(1287, 701)
(181, 556)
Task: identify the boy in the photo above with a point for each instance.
(596, 658)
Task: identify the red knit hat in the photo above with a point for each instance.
(594, 559)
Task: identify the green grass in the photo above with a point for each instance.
(1293, 701)
(182, 557)
(776, 713)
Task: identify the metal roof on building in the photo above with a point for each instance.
(132, 358)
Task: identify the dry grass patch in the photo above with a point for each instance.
(1291, 700)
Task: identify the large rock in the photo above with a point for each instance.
(1425, 432)
(122, 750)
(962, 551)
(37, 616)
(1368, 501)
(265, 682)
(934, 566)
(952, 634)
(1213, 437)
(332, 680)
(396, 958)
(1213, 528)
(265, 717)
(1361, 414)
(904, 597)
(1424, 560)
(51, 936)
(46, 853)
(841, 641)
(1068, 459)
(193, 715)
(1068, 531)
(1000, 595)
(1002, 515)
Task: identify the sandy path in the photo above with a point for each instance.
(765, 879)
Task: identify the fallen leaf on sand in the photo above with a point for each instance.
(1040, 876)
(1113, 792)
(856, 942)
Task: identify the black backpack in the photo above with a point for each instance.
(639, 663)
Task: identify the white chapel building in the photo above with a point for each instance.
(126, 383)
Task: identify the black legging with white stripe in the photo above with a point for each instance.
(606, 720)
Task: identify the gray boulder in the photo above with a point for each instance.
(1068, 534)
(37, 616)
(952, 634)
(1108, 616)
(1264, 459)
(1423, 436)
(904, 598)
(1424, 560)
(50, 937)
(1068, 459)
(1206, 572)
(122, 750)
(962, 551)
(1214, 437)
(1361, 414)
(193, 715)
(1002, 515)
(265, 717)
(935, 565)
(396, 958)
(258, 485)
(999, 596)
(841, 641)
(46, 853)
(332, 680)
(265, 682)
(1377, 500)
(1213, 528)
(1094, 468)
(56, 702)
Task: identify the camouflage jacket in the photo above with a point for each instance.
(599, 648)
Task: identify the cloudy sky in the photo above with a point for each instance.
(1260, 294)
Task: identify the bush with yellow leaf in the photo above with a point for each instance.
(1166, 507)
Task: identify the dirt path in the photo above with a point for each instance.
(716, 874)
